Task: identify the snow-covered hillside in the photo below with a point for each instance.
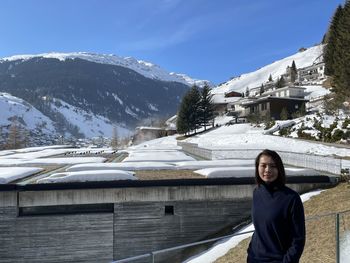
(14, 108)
(89, 124)
(276, 69)
(144, 68)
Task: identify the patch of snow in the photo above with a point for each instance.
(88, 176)
(213, 163)
(50, 161)
(240, 171)
(130, 112)
(90, 125)
(127, 166)
(152, 107)
(157, 156)
(9, 174)
(117, 98)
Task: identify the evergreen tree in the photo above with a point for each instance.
(280, 82)
(247, 92)
(284, 114)
(206, 107)
(337, 52)
(195, 100)
(332, 41)
(270, 78)
(188, 115)
(293, 72)
(341, 57)
(262, 89)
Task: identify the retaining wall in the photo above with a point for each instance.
(321, 163)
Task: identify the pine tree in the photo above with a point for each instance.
(270, 78)
(195, 100)
(332, 42)
(188, 115)
(284, 114)
(280, 82)
(293, 72)
(206, 110)
(247, 92)
(341, 57)
(262, 89)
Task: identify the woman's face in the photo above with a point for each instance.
(267, 168)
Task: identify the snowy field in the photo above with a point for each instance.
(163, 154)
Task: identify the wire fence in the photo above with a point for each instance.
(327, 241)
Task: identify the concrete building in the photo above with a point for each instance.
(105, 221)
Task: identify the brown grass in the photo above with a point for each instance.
(167, 174)
(320, 231)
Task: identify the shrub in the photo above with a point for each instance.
(337, 135)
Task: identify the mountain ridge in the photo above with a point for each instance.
(145, 68)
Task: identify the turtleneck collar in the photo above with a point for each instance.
(271, 187)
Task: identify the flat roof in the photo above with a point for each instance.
(158, 183)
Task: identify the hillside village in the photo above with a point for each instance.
(273, 98)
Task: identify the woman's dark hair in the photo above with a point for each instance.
(281, 178)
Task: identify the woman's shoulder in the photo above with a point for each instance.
(290, 192)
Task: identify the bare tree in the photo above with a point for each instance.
(115, 138)
(15, 136)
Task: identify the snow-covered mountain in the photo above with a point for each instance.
(16, 108)
(255, 79)
(147, 69)
(117, 93)
(15, 111)
(84, 94)
(41, 129)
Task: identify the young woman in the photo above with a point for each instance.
(277, 214)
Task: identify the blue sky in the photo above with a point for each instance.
(205, 39)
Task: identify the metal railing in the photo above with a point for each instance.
(341, 232)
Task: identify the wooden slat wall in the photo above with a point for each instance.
(7, 231)
(143, 227)
(134, 228)
(58, 238)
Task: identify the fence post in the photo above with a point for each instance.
(152, 257)
(337, 249)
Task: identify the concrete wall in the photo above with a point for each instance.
(136, 224)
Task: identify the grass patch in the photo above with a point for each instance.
(320, 231)
(167, 174)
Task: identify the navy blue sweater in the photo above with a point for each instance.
(279, 221)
